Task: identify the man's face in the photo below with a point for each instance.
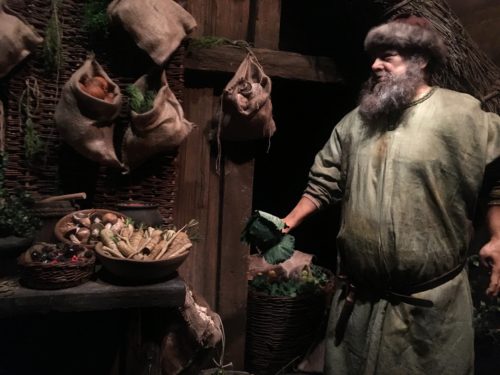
(388, 63)
(392, 86)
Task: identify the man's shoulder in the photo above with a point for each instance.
(460, 98)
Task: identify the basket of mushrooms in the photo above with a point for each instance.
(130, 253)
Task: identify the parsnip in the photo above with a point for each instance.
(124, 248)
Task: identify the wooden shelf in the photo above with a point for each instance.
(91, 296)
(287, 65)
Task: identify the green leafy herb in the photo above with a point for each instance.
(52, 43)
(16, 217)
(29, 102)
(264, 231)
(310, 280)
(208, 41)
(95, 18)
(281, 251)
(140, 102)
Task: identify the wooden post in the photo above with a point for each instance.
(198, 195)
(267, 23)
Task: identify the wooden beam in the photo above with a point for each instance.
(198, 195)
(288, 65)
(267, 24)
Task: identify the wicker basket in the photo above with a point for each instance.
(280, 330)
(59, 233)
(38, 275)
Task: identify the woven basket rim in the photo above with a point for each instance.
(83, 262)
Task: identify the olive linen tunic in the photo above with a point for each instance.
(408, 193)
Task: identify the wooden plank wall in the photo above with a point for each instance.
(217, 267)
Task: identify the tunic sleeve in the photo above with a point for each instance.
(324, 185)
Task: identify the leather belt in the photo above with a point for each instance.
(393, 295)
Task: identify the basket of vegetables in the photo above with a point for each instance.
(142, 255)
(84, 227)
(50, 266)
(285, 315)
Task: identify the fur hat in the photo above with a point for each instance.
(410, 33)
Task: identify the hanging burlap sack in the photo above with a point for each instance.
(17, 39)
(159, 130)
(84, 116)
(246, 104)
(157, 26)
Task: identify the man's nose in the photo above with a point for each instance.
(377, 65)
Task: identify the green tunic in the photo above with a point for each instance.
(408, 198)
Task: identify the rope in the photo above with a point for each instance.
(220, 363)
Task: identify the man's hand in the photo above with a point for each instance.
(490, 258)
(490, 253)
(304, 208)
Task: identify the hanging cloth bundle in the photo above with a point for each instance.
(89, 103)
(17, 39)
(246, 104)
(161, 129)
(157, 26)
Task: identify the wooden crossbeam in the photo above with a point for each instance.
(282, 64)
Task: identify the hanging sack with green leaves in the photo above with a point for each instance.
(17, 39)
(90, 101)
(246, 104)
(157, 123)
(157, 26)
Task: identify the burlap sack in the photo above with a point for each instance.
(246, 104)
(85, 122)
(156, 131)
(17, 39)
(157, 26)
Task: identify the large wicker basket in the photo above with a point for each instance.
(39, 275)
(280, 330)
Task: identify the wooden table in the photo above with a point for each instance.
(96, 295)
(120, 328)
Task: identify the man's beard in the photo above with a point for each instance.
(388, 98)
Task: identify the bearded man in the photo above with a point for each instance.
(407, 166)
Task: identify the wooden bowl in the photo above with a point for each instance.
(140, 271)
(58, 231)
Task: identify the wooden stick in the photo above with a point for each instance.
(65, 197)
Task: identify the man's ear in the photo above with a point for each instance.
(423, 62)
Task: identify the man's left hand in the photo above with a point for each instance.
(490, 258)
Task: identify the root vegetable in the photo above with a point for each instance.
(180, 243)
(153, 240)
(126, 231)
(107, 239)
(124, 248)
(136, 238)
(156, 250)
(108, 250)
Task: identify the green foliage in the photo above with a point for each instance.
(16, 217)
(207, 42)
(29, 102)
(281, 251)
(52, 43)
(309, 281)
(95, 18)
(264, 231)
(140, 102)
(33, 144)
